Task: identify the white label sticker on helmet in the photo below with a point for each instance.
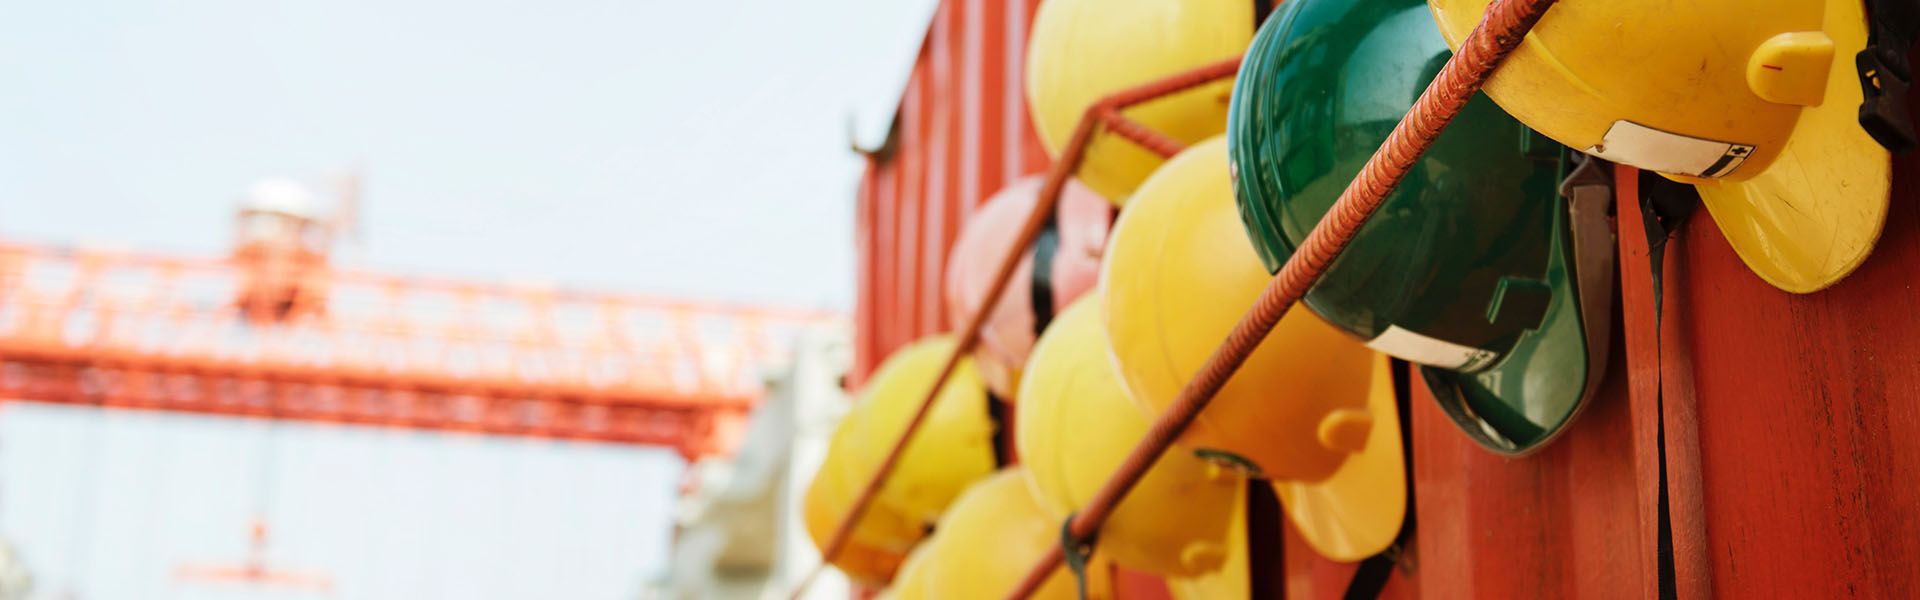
(1406, 345)
(1637, 145)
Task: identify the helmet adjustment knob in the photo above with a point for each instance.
(1791, 68)
(1203, 557)
(1345, 430)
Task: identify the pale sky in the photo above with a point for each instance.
(668, 147)
(113, 505)
(695, 148)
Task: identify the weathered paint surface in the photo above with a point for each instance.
(1808, 416)
(963, 132)
(1792, 429)
(1791, 423)
(1559, 523)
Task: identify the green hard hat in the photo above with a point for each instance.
(1477, 267)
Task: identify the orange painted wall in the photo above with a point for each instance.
(962, 133)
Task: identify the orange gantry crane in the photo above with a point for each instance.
(275, 330)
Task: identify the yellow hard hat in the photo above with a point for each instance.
(1753, 101)
(911, 582)
(881, 538)
(1305, 409)
(1234, 579)
(861, 562)
(1059, 266)
(1083, 50)
(996, 531)
(951, 450)
(1075, 427)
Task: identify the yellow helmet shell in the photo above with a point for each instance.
(1083, 50)
(1179, 273)
(1306, 408)
(881, 538)
(1076, 425)
(911, 582)
(1233, 579)
(952, 449)
(1357, 512)
(993, 535)
(1754, 101)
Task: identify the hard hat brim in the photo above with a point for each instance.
(1794, 237)
(1233, 579)
(1813, 215)
(1356, 512)
(1429, 278)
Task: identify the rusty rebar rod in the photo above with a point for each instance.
(1504, 25)
(1064, 167)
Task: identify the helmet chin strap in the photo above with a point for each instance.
(1588, 189)
(1000, 412)
(1370, 576)
(1454, 404)
(1045, 247)
(1589, 192)
(1077, 553)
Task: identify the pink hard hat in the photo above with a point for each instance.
(1070, 250)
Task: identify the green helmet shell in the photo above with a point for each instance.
(1468, 266)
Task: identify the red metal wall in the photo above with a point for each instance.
(1792, 445)
(1805, 419)
(1791, 423)
(961, 133)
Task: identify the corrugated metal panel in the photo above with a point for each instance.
(962, 133)
(1793, 422)
(1807, 409)
(1792, 440)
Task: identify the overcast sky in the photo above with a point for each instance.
(694, 148)
(671, 147)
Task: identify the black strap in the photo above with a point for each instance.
(1000, 412)
(1045, 246)
(1663, 548)
(1665, 205)
(1370, 577)
(1885, 73)
(1076, 552)
(1266, 529)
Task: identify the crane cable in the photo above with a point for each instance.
(1500, 31)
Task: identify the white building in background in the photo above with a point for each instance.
(15, 581)
(738, 533)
